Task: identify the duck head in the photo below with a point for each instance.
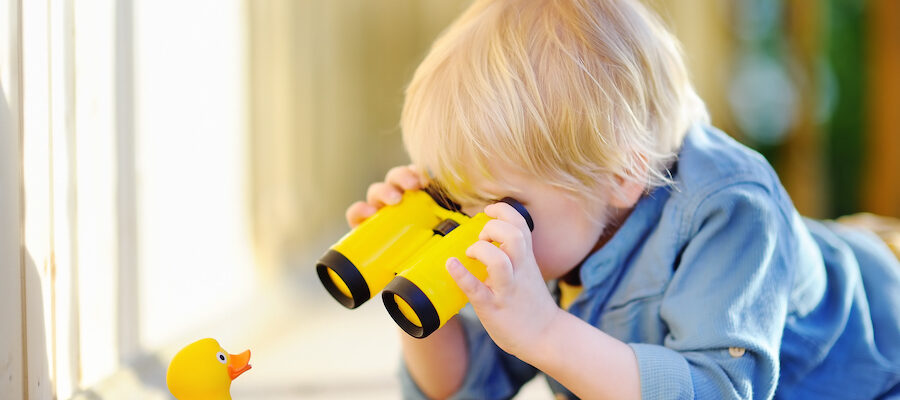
(203, 370)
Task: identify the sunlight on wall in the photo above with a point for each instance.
(95, 198)
(133, 171)
(190, 163)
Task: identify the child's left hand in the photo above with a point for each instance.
(513, 303)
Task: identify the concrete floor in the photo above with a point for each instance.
(317, 349)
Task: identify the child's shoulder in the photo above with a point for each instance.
(714, 171)
(709, 159)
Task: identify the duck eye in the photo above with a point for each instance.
(221, 356)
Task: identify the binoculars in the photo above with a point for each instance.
(403, 249)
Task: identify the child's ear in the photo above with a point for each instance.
(630, 191)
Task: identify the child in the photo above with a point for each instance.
(678, 264)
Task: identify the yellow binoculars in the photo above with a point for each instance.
(403, 249)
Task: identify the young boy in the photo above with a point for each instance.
(680, 267)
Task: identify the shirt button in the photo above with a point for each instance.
(736, 351)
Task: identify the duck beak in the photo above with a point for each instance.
(238, 364)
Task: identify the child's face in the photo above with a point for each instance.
(564, 231)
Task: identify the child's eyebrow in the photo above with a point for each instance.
(500, 192)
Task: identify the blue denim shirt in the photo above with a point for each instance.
(723, 291)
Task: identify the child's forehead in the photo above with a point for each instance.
(496, 180)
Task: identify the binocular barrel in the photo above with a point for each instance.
(402, 249)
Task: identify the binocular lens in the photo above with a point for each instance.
(407, 311)
(339, 283)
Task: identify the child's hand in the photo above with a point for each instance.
(389, 192)
(513, 303)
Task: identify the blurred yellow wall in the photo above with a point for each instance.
(326, 87)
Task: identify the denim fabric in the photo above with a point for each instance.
(724, 291)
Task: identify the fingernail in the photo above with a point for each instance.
(452, 265)
(394, 198)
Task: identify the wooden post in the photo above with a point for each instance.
(12, 327)
(882, 174)
(801, 168)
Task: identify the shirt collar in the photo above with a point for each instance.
(612, 257)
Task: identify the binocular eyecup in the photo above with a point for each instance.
(410, 308)
(342, 280)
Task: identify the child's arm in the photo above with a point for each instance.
(587, 361)
(522, 318)
(437, 363)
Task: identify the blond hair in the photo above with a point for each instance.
(572, 92)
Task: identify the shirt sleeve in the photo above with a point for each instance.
(491, 373)
(726, 304)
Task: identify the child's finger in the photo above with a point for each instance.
(420, 175)
(476, 291)
(499, 266)
(381, 194)
(512, 240)
(506, 212)
(358, 212)
(403, 177)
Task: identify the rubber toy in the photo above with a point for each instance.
(204, 371)
(403, 249)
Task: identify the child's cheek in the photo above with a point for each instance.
(557, 252)
(543, 257)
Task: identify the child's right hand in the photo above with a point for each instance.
(389, 192)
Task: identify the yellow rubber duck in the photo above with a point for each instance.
(204, 371)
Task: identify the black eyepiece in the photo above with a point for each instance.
(521, 209)
(336, 262)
